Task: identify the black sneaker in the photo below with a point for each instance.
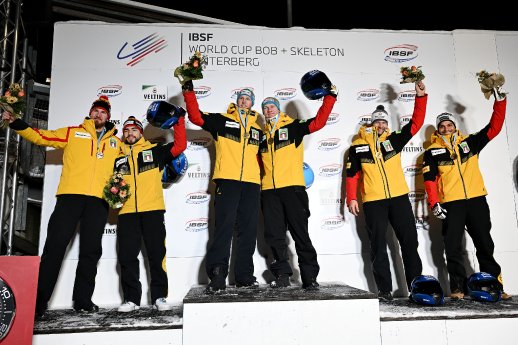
(385, 296)
(86, 308)
(251, 285)
(216, 284)
(283, 280)
(312, 285)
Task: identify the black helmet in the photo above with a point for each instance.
(163, 114)
(426, 290)
(315, 84)
(174, 170)
(484, 287)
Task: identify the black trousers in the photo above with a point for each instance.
(235, 203)
(472, 215)
(288, 208)
(131, 229)
(398, 212)
(71, 209)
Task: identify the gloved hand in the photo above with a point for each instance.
(187, 86)
(333, 91)
(499, 93)
(438, 211)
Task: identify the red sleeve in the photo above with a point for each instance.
(431, 191)
(351, 185)
(419, 114)
(193, 110)
(497, 119)
(323, 114)
(180, 137)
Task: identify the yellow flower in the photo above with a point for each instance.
(11, 99)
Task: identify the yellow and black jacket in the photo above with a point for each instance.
(378, 159)
(141, 164)
(282, 153)
(237, 146)
(87, 165)
(452, 169)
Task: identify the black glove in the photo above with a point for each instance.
(438, 211)
(187, 86)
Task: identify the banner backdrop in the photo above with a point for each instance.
(133, 65)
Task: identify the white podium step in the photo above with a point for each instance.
(336, 314)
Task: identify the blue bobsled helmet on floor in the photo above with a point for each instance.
(484, 287)
(315, 84)
(426, 290)
(174, 170)
(163, 114)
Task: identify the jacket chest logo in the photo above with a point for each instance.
(255, 134)
(362, 149)
(464, 146)
(437, 152)
(231, 124)
(283, 134)
(147, 156)
(113, 143)
(83, 135)
(387, 145)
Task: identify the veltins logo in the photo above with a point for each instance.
(330, 170)
(406, 96)
(403, 120)
(285, 94)
(154, 93)
(333, 118)
(368, 95)
(401, 53)
(329, 144)
(202, 91)
(109, 90)
(412, 170)
(332, 223)
(197, 225)
(199, 143)
(141, 48)
(233, 93)
(416, 195)
(110, 230)
(364, 119)
(199, 197)
(197, 174)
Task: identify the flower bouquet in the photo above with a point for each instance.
(12, 101)
(411, 74)
(489, 82)
(116, 191)
(192, 69)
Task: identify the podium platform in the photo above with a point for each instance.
(336, 314)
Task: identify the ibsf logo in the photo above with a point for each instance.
(401, 53)
(332, 223)
(422, 223)
(200, 143)
(330, 170)
(416, 195)
(142, 47)
(200, 197)
(412, 170)
(234, 93)
(333, 118)
(285, 94)
(403, 120)
(202, 91)
(368, 95)
(329, 144)
(364, 119)
(197, 225)
(109, 90)
(406, 96)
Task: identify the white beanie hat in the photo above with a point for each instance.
(379, 114)
(445, 117)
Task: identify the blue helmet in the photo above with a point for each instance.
(315, 84)
(484, 287)
(309, 176)
(163, 114)
(426, 290)
(174, 170)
